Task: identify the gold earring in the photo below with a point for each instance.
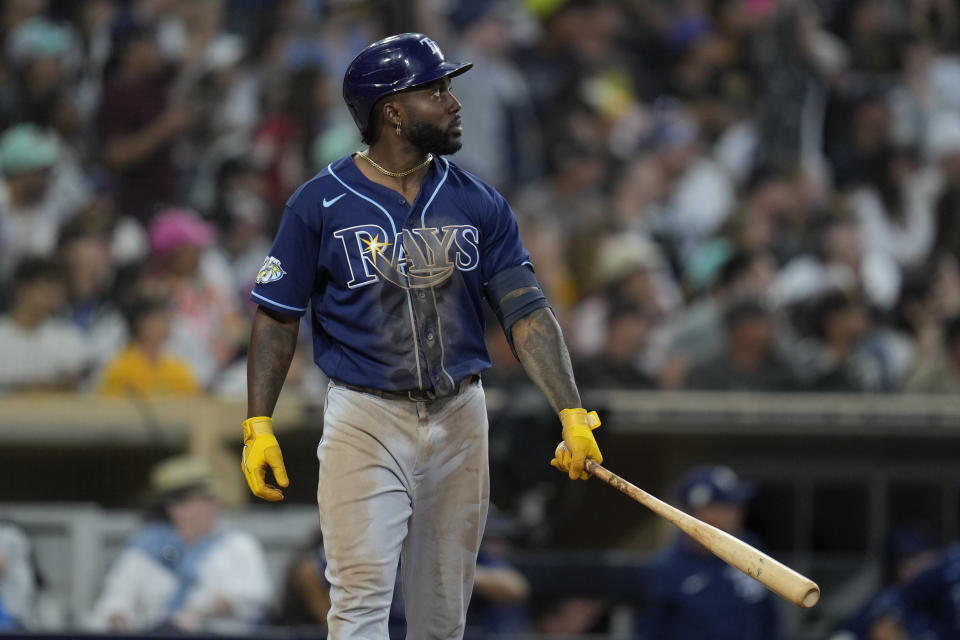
(398, 128)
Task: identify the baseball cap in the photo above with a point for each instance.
(707, 485)
(178, 227)
(623, 254)
(181, 475)
(906, 541)
(24, 148)
(38, 37)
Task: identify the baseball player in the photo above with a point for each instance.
(694, 595)
(392, 250)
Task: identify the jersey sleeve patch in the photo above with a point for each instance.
(271, 271)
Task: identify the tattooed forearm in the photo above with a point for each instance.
(272, 343)
(543, 354)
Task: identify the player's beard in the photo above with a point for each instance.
(429, 138)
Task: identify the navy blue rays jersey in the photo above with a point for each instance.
(395, 291)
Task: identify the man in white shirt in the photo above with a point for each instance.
(40, 351)
(184, 572)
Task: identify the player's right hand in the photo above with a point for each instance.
(261, 450)
(580, 443)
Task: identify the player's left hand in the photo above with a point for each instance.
(578, 443)
(261, 450)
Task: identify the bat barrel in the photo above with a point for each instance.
(811, 597)
(777, 577)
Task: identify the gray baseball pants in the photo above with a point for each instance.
(402, 479)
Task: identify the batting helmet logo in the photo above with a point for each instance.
(390, 65)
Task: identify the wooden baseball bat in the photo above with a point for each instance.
(777, 577)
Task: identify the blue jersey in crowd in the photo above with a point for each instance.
(161, 542)
(693, 595)
(396, 291)
(934, 595)
(887, 603)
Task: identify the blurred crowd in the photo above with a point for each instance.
(717, 194)
(741, 195)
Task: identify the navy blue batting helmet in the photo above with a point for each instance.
(390, 65)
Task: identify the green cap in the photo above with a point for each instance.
(24, 148)
(40, 38)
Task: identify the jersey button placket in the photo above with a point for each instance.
(428, 333)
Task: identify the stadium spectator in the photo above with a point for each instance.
(240, 215)
(937, 370)
(909, 549)
(925, 91)
(629, 268)
(693, 595)
(571, 194)
(858, 126)
(36, 195)
(841, 260)
(750, 359)
(619, 365)
(944, 147)
(18, 580)
(144, 367)
(183, 571)
(922, 600)
(92, 22)
(895, 209)
(304, 377)
(696, 333)
(226, 100)
(41, 351)
(500, 134)
(83, 247)
(929, 297)
(699, 196)
(138, 122)
(306, 595)
(842, 358)
(499, 605)
(41, 54)
(207, 327)
(635, 194)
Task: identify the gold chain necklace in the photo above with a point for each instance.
(395, 174)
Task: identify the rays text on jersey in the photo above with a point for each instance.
(413, 259)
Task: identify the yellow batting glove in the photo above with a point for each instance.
(579, 442)
(261, 450)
